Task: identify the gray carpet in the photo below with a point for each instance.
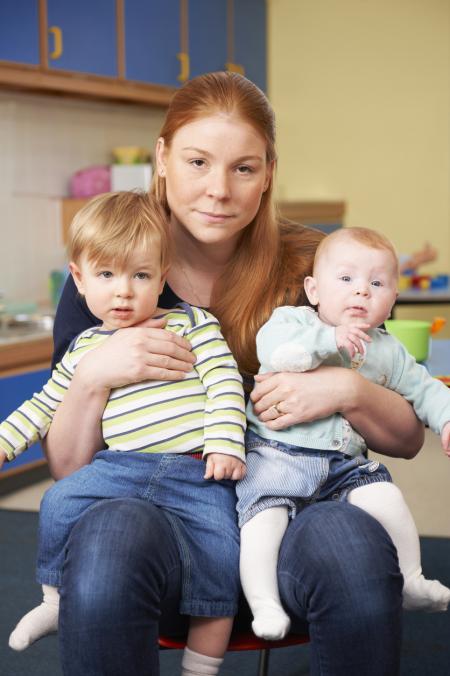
(426, 646)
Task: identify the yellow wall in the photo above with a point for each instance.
(361, 93)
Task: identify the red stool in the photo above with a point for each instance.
(247, 641)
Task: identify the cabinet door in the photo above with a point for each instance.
(14, 390)
(82, 36)
(207, 36)
(152, 41)
(19, 31)
(249, 39)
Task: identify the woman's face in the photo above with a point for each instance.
(216, 172)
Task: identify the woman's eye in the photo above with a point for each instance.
(197, 163)
(244, 169)
(142, 275)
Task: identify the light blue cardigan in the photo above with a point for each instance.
(295, 339)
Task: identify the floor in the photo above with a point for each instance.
(424, 481)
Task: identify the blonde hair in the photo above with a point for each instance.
(369, 238)
(271, 259)
(111, 226)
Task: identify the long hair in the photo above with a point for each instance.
(271, 259)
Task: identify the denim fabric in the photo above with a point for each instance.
(338, 577)
(338, 570)
(282, 474)
(202, 516)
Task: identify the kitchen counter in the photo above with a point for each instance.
(25, 346)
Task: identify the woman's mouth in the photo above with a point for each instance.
(212, 217)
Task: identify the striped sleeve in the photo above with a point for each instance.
(225, 419)
(31, 421)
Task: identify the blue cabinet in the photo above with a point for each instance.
(19, 31)
(82, 36)
(14, 390)
(161, 42)
(249, 39)
(207, 36)
(152, 41)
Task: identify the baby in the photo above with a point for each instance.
(353, 287)
(156, 433)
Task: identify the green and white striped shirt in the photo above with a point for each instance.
(204, 412)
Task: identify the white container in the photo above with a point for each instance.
(131, 176)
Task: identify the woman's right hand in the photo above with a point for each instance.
(131, 355)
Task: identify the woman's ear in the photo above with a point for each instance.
(77, 277)
(311, 290)
(160, 155)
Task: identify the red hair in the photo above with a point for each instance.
(271, 259)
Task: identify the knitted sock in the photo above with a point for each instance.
(385, 502)
(39, 622)
(194, 664)
(260, 542)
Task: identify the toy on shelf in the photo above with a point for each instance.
(411, 278)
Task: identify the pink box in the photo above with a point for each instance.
(91, 181)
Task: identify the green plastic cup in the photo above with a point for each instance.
(413, 333)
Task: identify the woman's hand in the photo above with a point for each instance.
(145, 352)
(284, 399)
(384, 418)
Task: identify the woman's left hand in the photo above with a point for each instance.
(284, 399)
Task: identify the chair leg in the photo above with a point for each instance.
(263, 666)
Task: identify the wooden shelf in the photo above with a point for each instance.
(28, 355)
(36, 80)
(313, 212)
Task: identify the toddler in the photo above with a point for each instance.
(156, 433)
(353, 287)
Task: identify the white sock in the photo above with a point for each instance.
(384, 501)
(260, 543)
(39, 622)
(195, 664)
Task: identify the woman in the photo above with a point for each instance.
(215, 162)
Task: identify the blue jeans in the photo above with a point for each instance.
(338, 577)
(201, 514)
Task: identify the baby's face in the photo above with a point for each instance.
(121, 296)
(354, 284)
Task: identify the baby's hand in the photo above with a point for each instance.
(445, 439)
(221, 466)
(350, 338)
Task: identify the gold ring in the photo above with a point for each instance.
(276, 407)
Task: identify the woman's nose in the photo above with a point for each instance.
(218, 186)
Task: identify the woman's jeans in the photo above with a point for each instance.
(202, 516)
(338, 577)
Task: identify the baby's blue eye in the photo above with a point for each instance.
(376, 282)
(106, 273)
(142, 275)
(346, 278)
